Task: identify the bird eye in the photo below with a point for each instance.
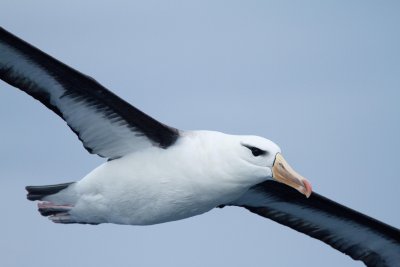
(256, 151)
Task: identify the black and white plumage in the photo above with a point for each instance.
(129, 189)
(106, 124)
(353, 233)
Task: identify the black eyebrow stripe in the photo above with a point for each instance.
(263, 152)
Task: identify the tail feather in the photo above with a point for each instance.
(57, 211)
(39, 192)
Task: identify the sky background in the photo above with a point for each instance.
(320, 78)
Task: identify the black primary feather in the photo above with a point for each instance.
(106, 124)
(353, 233)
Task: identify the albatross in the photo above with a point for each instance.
(155, 173)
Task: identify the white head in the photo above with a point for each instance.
(265, 154)
(252, 160)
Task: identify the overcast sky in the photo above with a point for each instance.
(320, 78)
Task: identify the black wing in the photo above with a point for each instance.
(353, 233)
(106, 124)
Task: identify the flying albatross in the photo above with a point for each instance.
(156, 173)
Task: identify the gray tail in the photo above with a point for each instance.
(39, 192)
(58, 213)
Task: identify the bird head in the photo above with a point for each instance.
(265, 161)
(244, 159)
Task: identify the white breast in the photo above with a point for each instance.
(155, 186)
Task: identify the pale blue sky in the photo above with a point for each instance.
(320, 78)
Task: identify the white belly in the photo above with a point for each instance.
(128, 191)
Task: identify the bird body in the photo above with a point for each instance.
(157, 185)
(155, 173)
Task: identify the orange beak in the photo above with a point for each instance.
(282, 172)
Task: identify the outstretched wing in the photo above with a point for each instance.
(106, 124)
(353, 233)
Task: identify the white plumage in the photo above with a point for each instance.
(156, 173)
(201, 171)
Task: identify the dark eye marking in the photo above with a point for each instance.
(255, 150)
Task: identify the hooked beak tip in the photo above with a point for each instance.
(307, 188)
(282, 172)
